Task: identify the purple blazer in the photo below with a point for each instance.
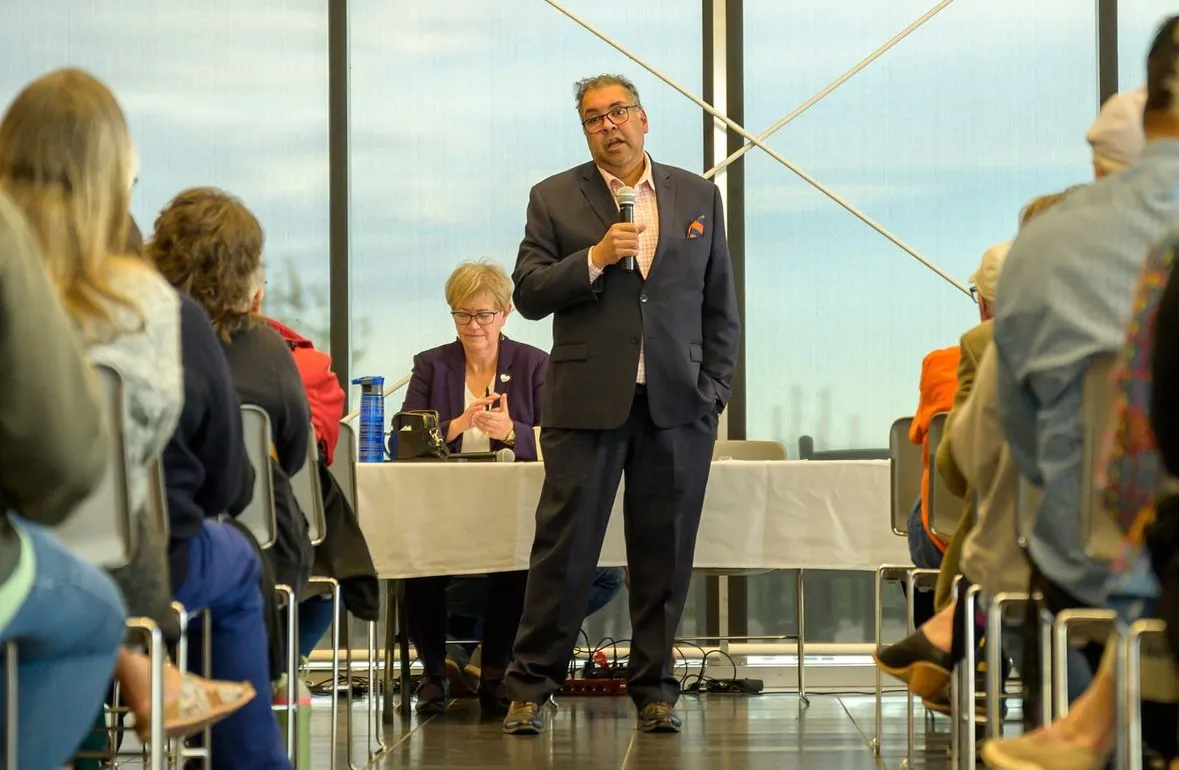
(440, 381)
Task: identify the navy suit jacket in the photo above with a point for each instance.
(439, 383)
(684, 315)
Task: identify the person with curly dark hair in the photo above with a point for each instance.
(208, 245)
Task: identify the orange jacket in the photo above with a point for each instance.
(939, 381)
(324, 394)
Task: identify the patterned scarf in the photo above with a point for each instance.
(1131, 469)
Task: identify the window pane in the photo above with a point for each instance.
(941, 141)
(458, 108)
(216, 93)
(1138, 22)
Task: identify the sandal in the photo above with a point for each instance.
(202, 703)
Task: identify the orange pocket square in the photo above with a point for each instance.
(696, 229)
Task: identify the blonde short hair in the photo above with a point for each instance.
(1041, 204)
(472, 278)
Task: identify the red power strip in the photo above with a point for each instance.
(582, 687)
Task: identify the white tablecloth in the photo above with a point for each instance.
(424, 519)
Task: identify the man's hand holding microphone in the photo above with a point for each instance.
(620, 244)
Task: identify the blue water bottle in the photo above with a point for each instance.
(372, 419)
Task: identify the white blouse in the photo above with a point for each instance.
(474, 439)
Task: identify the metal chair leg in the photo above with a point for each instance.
(995, 684)
(965, 707)
(1061, 633)
(910, 623)
(879, 624)
(1045, 625)
(1130, 689)
(155, 645)
(333, 587)
(801, 605)
(292, 670)
(11, 704)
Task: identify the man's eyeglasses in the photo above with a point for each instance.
(617, 116)
(974, 294)
(483, 317)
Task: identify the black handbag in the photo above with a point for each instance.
(416, 436)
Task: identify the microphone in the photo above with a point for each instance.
(626, 209)
(505, 455)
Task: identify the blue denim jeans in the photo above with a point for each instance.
(223, 575)
(315, 618)
(68, 633)
(922, 551)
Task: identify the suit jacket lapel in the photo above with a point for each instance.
(665, 200)
(597, 194)
(503, 368)
(456, 386)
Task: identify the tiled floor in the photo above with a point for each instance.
(725, 732)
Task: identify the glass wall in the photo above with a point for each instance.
(941, 141)
(1138, 21)
(458, 108)
(217, 93)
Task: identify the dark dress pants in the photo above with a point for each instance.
(666, 474)
(426, 611)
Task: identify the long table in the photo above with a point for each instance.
(429, 519)
(426, 519)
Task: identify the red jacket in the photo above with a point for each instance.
(324, 394)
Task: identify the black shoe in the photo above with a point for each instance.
(524, 719)
(914, 660)
(432, 695)
(659, 717)
(493, 699)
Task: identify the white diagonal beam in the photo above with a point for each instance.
(830, 87)
(738, 129)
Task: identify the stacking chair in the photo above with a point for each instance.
(101, 531)
(759, 451)
(905, 484)
(1150, 634)
(309, 496)
(945, 510)
(1101, 534)
(260, 517)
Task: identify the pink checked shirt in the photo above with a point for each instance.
(646, 213)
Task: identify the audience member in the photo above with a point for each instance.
(1064, 298)
(217, 566)
(209, 246)
(67, 161)
(65, 616)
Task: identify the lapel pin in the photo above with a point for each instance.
(505, 377)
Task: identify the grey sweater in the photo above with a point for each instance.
(52, 437)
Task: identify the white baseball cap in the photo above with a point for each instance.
(1117, 135)
(986, 278)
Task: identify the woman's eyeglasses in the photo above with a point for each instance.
(483, 317)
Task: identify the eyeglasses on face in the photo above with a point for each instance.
(617, 115)
(482, 317)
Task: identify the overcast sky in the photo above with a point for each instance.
(459, 106)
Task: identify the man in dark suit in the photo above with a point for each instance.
(641, 367)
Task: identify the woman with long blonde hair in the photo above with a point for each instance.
(67, 161)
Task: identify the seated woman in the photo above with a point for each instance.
(486, 390)
(209, 246)
(67, 161)
(214, 565)
(66, 616)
